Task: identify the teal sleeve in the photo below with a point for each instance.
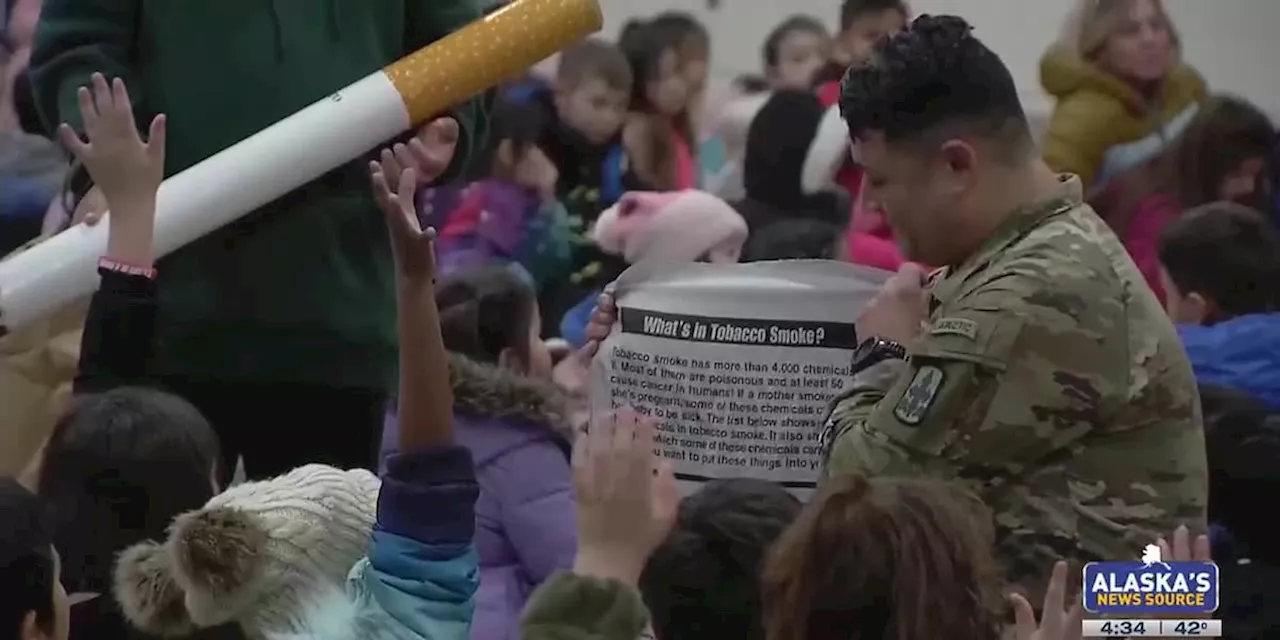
(75, 39)
(414, 590)
(428, 21)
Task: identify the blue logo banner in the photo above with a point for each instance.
(1150, 588)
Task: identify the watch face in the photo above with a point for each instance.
(865, 350)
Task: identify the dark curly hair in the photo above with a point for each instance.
(934, 81)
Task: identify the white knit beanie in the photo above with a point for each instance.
(258, 553)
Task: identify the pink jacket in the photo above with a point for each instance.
(1142, 236)
(870, 240)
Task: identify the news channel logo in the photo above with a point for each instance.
(1150, 586)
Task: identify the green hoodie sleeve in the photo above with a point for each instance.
(574, 607)
(75, 39)
(427, 22)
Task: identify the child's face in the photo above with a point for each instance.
(800, 55)
(694, 63)
(668, 91)
(858, 40)
(1242, 184)
(594, 109)
(531, 168)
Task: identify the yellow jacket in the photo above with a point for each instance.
(1097, 111)
(37, 365)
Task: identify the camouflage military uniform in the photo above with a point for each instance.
(1050, 382)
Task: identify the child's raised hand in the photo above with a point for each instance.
(412, 246)
(1062, 615)
(626, 496)
(127, 170)
(428, 153)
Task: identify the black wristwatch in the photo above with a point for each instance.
(875, 350)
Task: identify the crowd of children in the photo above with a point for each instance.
(495, 514)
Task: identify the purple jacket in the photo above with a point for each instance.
(525, 525)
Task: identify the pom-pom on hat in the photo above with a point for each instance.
(256, 554)
(672, 226)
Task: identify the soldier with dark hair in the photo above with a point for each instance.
(1035, 367)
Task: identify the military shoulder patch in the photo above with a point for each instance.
(963, 327)
(919, 395)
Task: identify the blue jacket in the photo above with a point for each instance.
(1242, 353)
(24, 198)
(420, 578)
(573, 325)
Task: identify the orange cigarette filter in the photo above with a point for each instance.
(488, 51)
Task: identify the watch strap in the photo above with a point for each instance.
(876, 350)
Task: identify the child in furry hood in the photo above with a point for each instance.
(511, 417)
(419, 577)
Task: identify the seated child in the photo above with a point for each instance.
(1220, 267)
(270, 555)
(794, 52)
(1221, 154)
(584, 108)
(778, 142)
(693, 592)
(862, 24)
(694, 52)
(125, 459)
(258, 555)
(658, 135)
(512, 216)
(513, 419)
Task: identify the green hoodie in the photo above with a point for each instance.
(300, 291)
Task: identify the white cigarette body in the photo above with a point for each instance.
(213, 193)
(304, 146)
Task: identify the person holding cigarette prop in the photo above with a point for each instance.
(279, 327)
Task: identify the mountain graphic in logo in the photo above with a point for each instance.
(1151, 557)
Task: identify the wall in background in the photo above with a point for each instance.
(1235, 43)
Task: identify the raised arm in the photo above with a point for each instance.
(426, 397)
(421, 570)
(118, 337)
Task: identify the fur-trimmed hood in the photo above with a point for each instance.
(496, 410)
(491, 392)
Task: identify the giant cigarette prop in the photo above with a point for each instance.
(305, 146)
